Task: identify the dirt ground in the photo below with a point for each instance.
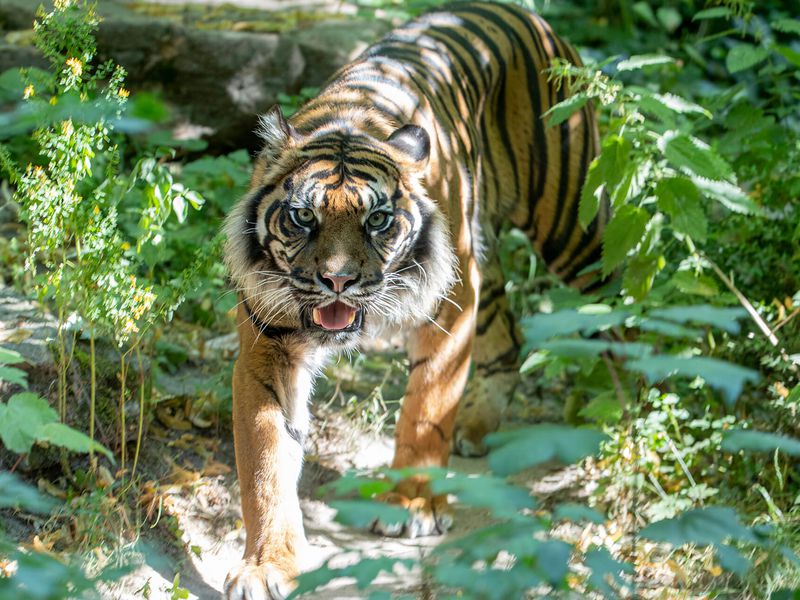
(346, 434)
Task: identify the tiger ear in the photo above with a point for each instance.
(277, 133)
(413, 143)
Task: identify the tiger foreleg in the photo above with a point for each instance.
(270, 418)
(440, 357)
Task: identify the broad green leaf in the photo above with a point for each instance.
(675, 104)
(679, 198)
(20, 496)
(65, 436)
(14, 375)
(717, 12)
(690, 282)
(602, 565)
(542, 326)
(22, 418)
(669, 17)
(484, 491)
(570, 511)
(745, 56)
(10, 357)
(513, 535)
(362, 513)
(640, 272)
(727, 377)
(605, 173)
(726, 318)
(689, 153)
(622, 233)
(729, 195)
(732, 560)
(364, 571)
(759, 441)
(643, 60)
(787, 25)
(669, 329)
(604, 409)
(574, 348)
(712, 525)
(513, 451)
(565, 109)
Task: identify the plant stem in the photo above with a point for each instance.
(123, 376)
(141, 409)
(762, 325)
(92, 396)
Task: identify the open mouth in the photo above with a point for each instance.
(337, 316)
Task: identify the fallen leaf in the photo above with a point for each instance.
(16, 336)
(214, 468)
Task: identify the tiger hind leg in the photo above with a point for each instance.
(495, 358)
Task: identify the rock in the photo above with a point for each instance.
(24, 328)
(215, 78)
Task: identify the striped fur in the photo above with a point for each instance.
(440, 127)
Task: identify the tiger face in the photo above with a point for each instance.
(338, 234)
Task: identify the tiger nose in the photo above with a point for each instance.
(338, 282)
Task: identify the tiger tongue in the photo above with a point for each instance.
(337, 315)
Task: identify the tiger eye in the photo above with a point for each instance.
(304, 216)
(378, 219)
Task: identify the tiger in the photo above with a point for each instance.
(377, 206)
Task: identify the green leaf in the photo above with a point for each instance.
(669, 17)
(604, 409)
(14, 375)
(513, 451)
(362, 513)
(668, 329)
(605, 173)
(622, 233)
(689, 153)
(640, 272)
(484, 491)
(712, 525)
(727, 377)
(725, 318)
(690, 282)
(22, 418)
(643, 60)
(602, 564)
(787, 25)
(565, 109)
(570, 511)
(673, 103)
(542, 326)
(10, 357)
(729, 195)
(572, 348)
(20, 496)
(759, 441)
(732, 560)
(718, 12)
(65, 436)
(745, 56)
(679, 198)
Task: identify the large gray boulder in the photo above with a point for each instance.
(215, 79)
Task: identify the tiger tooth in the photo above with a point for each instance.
(351, 319)
(315, 315)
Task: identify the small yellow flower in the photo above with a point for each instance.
(29, 92)
(75, 65)
(53, 100)
(123, 93)
(96, 209)
(126, 246)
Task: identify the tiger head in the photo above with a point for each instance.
(337, 233)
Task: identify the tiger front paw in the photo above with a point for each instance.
(428, 514)
(259, 582)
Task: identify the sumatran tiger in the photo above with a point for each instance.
(378, 205)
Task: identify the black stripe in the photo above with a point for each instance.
(268, 330)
